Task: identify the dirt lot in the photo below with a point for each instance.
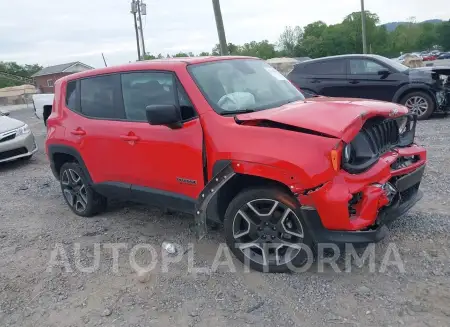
(34, 219)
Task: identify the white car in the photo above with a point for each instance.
(43, 104)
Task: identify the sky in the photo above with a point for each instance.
(50, 32)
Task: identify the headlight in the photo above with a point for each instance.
(401, 122)
(25, 129)
(347, 153)
(406, 129)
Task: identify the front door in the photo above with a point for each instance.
(167, 163)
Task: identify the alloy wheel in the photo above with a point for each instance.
(268, 232)
(74, 190)
(417, 105)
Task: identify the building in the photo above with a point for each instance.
(45, 78)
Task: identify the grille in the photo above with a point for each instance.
(8, 138)
(12, 153)
(382, 136)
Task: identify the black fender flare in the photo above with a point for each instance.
(419, 86)
(53, 149)
(209, 191)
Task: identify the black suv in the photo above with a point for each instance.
(422, 89)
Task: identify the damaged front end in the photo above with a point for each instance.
(379, 181)
(443, 89)
(441, 86)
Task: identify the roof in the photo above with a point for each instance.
(58, 68)
(162, 64)
(341, 57)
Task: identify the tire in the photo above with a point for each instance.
(249, 231)
(419, 103)
(77, 193)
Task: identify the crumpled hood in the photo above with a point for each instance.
(336, 117)
(8, 124)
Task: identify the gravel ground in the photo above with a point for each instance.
(35, 220)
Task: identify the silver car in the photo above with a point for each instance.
(16, 139)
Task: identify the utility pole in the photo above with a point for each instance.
(134, 11)
(363, 23)
(140, 7)
(220, 28)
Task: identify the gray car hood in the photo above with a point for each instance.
(7, 124)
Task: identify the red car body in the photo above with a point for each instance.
(301, 150)
(429, 57)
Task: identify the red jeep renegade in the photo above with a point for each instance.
(230, 140)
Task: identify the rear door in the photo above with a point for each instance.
(366, 81)
(327, 77)
(97, 129)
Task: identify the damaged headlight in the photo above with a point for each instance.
(406, 129)
(376, 138)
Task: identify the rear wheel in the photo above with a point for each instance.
(419, 103)
(80, 197)
(264, 229)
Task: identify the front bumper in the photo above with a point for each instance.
(376, 233)
(355, 208)
(19, 147)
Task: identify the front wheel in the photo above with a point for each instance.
(264, 229)
(419, 103)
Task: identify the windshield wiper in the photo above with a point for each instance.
(235, 112)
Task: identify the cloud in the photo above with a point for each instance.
(56, 31)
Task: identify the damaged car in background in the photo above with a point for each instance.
(231, 140)
(423, 90)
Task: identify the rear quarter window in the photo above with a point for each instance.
(72, 96)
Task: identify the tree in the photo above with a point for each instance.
(263, 49)
(232, 49)
(14, 68)
(443, 35)
(290, 41)
(204, 54)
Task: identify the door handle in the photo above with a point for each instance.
(354, 82)
(315, 81)
(78, 131)
(130, 138)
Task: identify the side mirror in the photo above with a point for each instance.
(4, 113)
(164, 114)
(384, 72)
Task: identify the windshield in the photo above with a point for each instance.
(394, 64)
(243, 85)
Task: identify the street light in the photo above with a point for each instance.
(363, 23)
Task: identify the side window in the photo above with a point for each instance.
(99, 96)
(329, 67)
(142, 89)
(186, 106)
(71, 96)
(364, 66)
